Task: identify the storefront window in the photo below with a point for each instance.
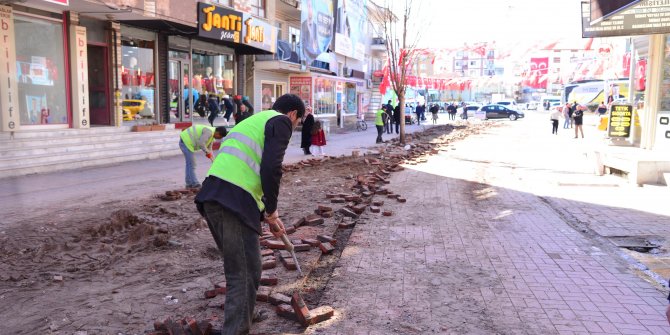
(213, 73)
(270, 93)
(40, 71)
(138, 78)
(324, 96)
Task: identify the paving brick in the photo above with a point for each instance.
(320, 314)
(301, 247)
(289, 229)
(337, 200)
(313, 220)
(286, 311)
(375, 209)
(378, 203)
(401, 200)
(387, 213)
(324, 208)
(326, 247)
(326, 238)
(287, 260)
(348, 213)
(328, 214)
(274, 244)
(263, 293)
(299, 222)
(346, 225)
(269, 264)
(359, 209)
(300, 308)
(267, 252)
(269, 280)
(278, 299)
(311, 242)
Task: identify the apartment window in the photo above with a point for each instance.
(557, 59)
(222, 2)
(279, 26)
(257, 7)
(294, 37)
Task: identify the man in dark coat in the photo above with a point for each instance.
(307, 125)
(388, 108)
(396, 118)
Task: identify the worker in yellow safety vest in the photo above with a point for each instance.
(379, 123)
(240, 191)
(194, 138)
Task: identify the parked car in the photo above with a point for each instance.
(509, 103)
(471, 109)
(496, 111)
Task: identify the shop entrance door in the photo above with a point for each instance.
(98, 86)
(178, 73)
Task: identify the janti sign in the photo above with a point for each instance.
(219, 23)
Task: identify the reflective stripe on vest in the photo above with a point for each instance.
(239, 158)
(191, 135)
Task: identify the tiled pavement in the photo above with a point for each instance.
(463, 257)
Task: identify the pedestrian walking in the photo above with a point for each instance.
(419, 111)
(194, 138)
(578, 117)
(566, 115)
(388, 125)
(433, 111)
(306, 132)
(451, 110)
(318, 139)
(213, 105)
(554, 117)
(396, 118)
(240, 192)
(465, 112)
(228, 107)
(379, 123)
(571, 112)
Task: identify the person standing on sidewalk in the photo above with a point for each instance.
(388, 124)
(566, 115)
(319, 138)
(396, 118)
(306, 132)
(194, 138)
(420, 109)
(555, 115)
(578, 116)
(379, 123)
(433, 111)
(241, 191)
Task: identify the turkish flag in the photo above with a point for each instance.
(539, 68)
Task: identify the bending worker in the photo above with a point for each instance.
(194, 138)
(242, 184)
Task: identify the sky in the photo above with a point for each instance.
(450, 23)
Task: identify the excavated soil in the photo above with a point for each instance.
(117, 267)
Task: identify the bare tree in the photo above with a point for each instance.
(400, 48)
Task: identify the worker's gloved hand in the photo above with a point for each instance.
(276, 225)
(210, 156)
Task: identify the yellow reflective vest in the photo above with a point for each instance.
(192, 134)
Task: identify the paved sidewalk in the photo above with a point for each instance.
(482, 246)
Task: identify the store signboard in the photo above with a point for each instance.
(259, 34)
(219, 23)
(9, 94)
(620, 120)
(60, 2)
(302, 87)
(79, 60)
(648, 17)
(603, 9)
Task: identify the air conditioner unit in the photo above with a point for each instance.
(345, 72)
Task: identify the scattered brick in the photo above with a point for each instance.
(286, 311)
(392, 196)
(193, 326)
(346, 225)
(289, 229)
(313, 220)
(269, 280)
(324, 208)
(375, 209)
(381, 191)
(326, 247)
(300, 308)
(301, 247)
(326, 238)
(269, 264)
(263, 293)
(267, 252)
(298, 223)
(354, 198)
(279, 299)
(337, 200)
(320, 314)
(274, 244)
(221, 290)
(328, 214)
(401, 199)
(359, 209)
(311, 242)
(378, 203)
(287, 260)
(387, 213)
(366, 194)
(331, 195)
(347, 212)
(209, 294)
(58, 278)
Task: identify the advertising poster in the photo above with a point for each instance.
(620, 121)
(316, 28)
(350, 28)
(302, 87)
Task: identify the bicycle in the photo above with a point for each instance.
(361, 125)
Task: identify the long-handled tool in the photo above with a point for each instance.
(289, 246)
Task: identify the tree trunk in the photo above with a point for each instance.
(401, 101)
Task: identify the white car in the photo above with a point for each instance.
(507, 103)
(471, 109)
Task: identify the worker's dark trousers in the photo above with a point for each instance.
(242, 264)
(380, 131)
